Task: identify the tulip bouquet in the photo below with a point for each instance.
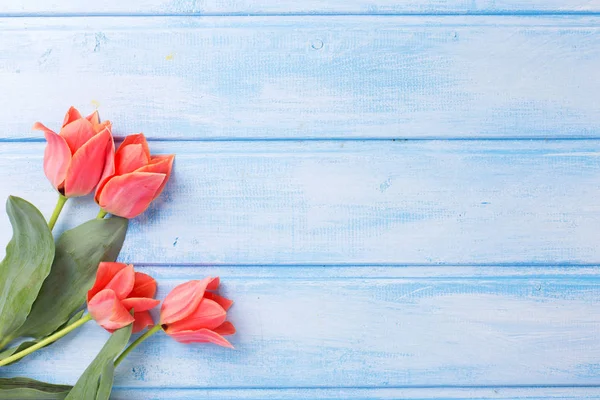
(50, 288)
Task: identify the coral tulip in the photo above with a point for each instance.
(192, 313)
(117, 290)
(78, 157)
(136, 179)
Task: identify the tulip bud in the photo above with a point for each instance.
(192, 313)
(75, 159)
(119, 289)
(136, 179)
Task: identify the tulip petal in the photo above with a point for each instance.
(139, 304)
(87, 165)
(160, 164)
(220, 300)
(94, 118)
(105, 273)
(38, 126)
(213, 284)
(183, 300)
(129, 195)
(209, 314)
(137, 138)
(122, 282)
(107, 310)
(199, 336)
(57, 157)
(72, 115)
(130, 158)
(161, 158)
(142, 321)
(226, 328)
(109, 166)
(144, 286)
(101, 126)
(77, 133)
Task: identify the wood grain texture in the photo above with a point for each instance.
(306, 328)
(504, 393)
(306, 77)
(311, 202)
(258, 7)
(460, 263)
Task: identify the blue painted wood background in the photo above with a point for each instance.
(402, 197)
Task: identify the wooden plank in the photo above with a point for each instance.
(306, 77)
(363, 394)
(338, 202)
(258, 7)
(301, 330)
(505, 393)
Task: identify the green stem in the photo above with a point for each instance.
(59, 206)
(101, 214)
(50, 339)
(137, 342)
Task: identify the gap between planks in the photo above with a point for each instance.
(323, 272)
(119, 138)
(549, 13)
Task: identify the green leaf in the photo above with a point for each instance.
(22, 346)
(78, 253)
(106, 381)
(76, 317)
(96, 381)
(27, 263)
(25, 388)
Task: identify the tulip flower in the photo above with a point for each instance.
(136, 179)
(76, 157)
(192, 313)
(118, 290)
